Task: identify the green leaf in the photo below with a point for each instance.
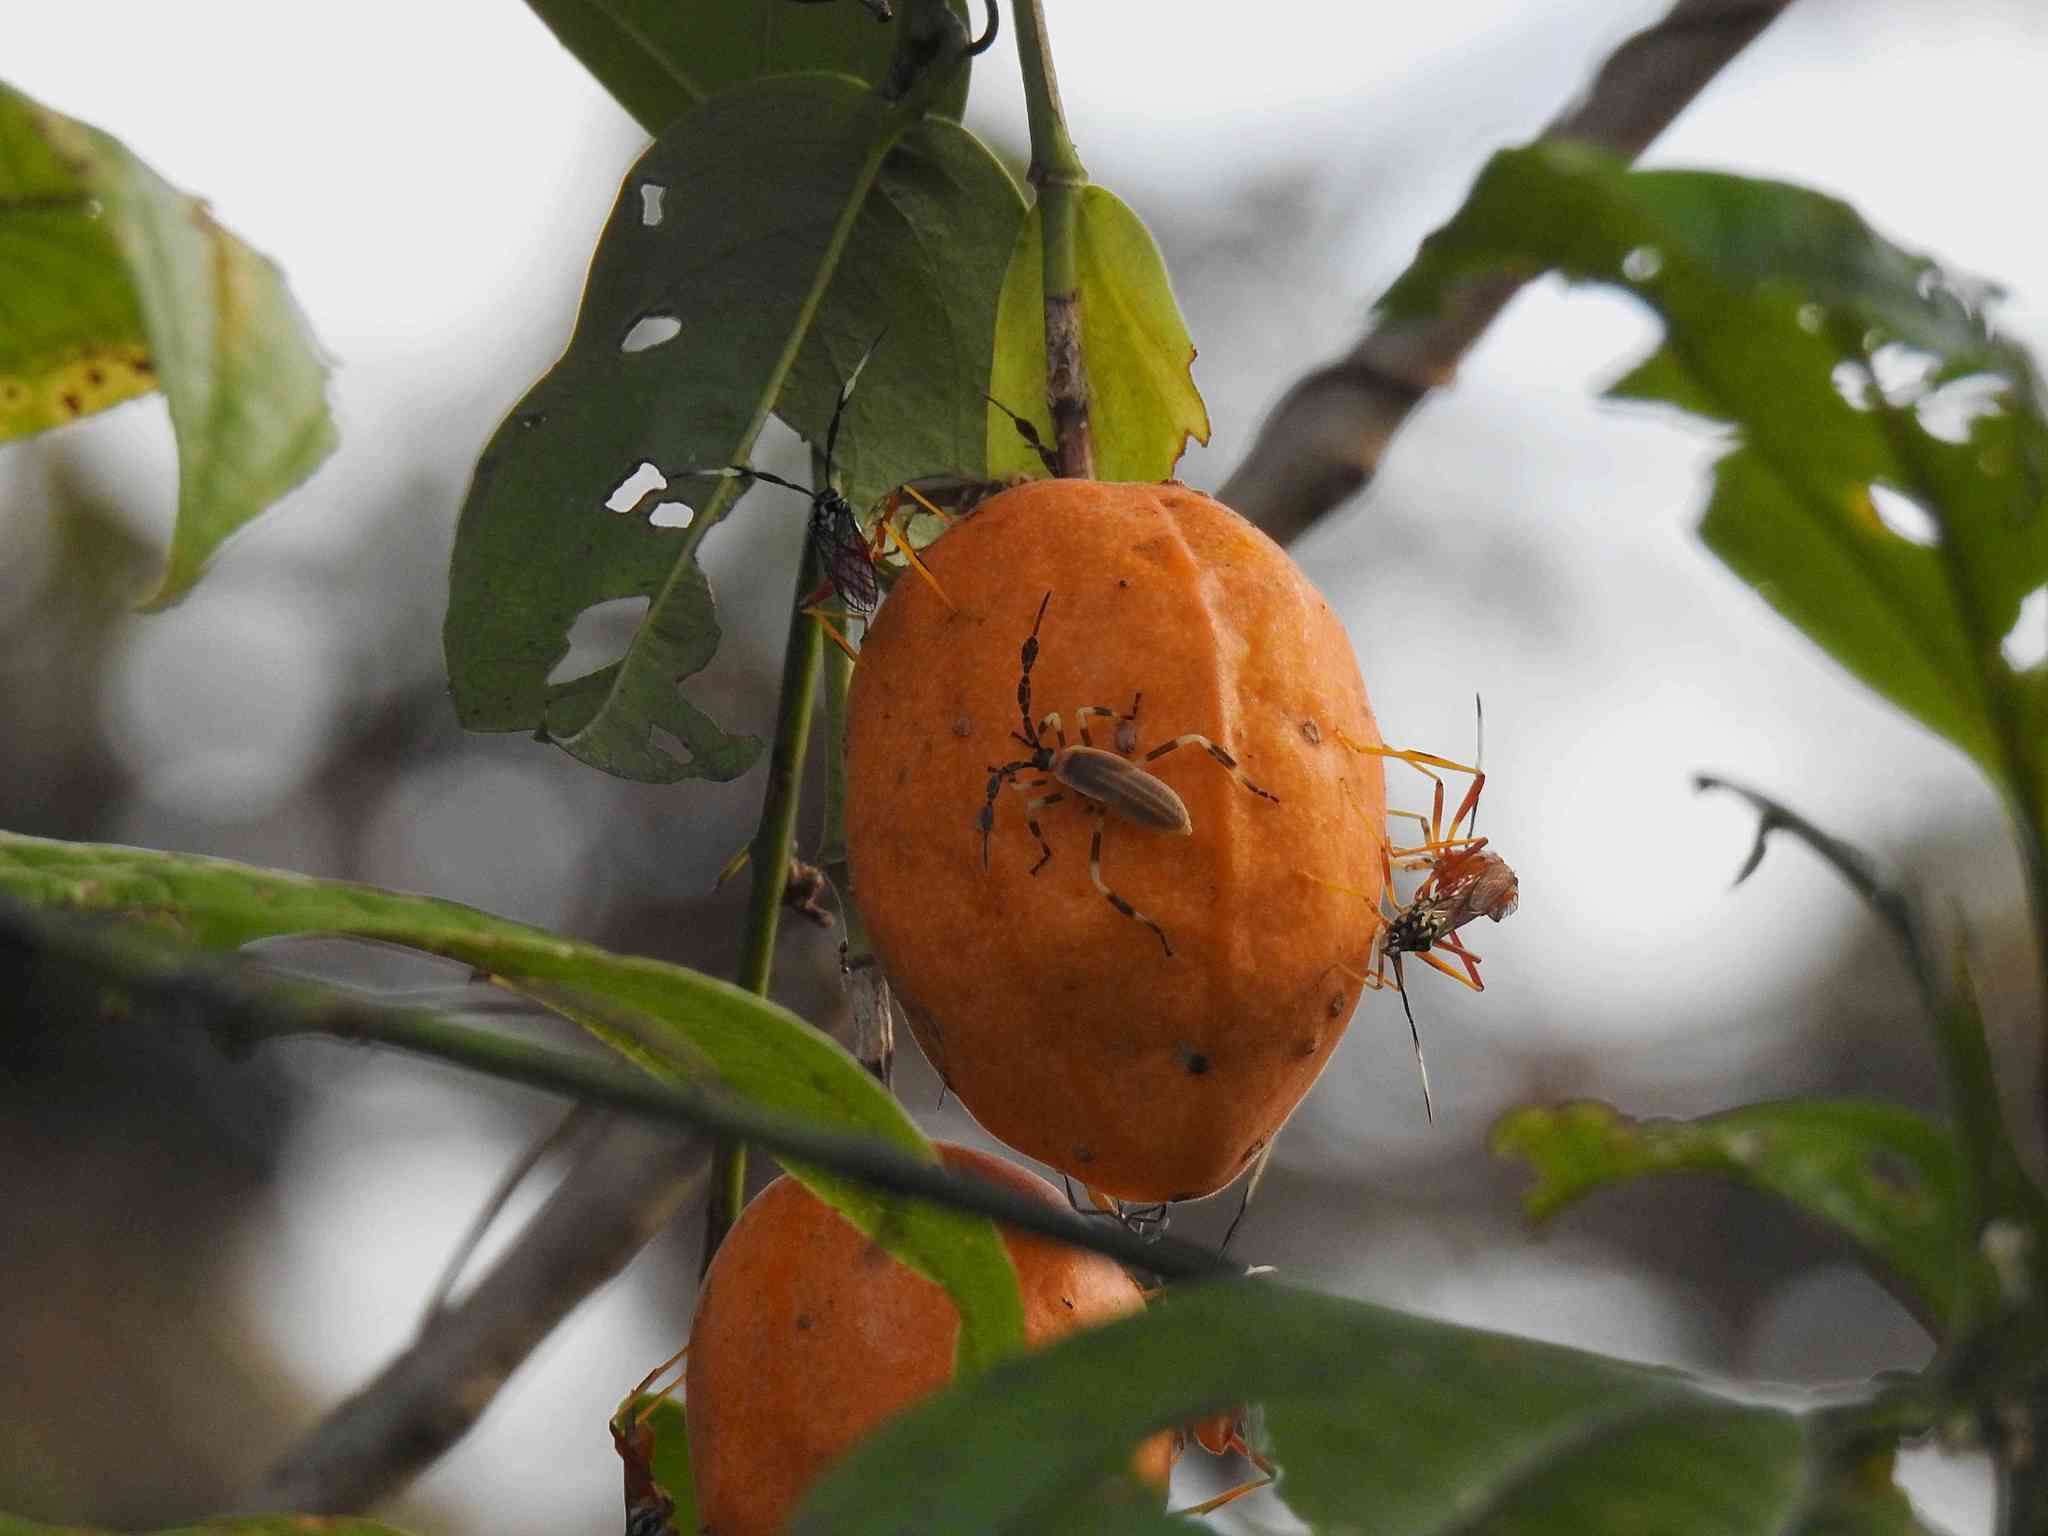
(1380, 1421)
(117, 283)
(1144, 404)
(659, 58)
(797, 218)
(1884, 1177)
(1862, 1500)
(227, 1525)
(762, 1052)
(1778, 304)
(653, 1441)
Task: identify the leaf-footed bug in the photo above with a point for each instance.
(1103, 780)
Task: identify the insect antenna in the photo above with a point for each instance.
(1478, 756)
(1030, 659)
(1415, 1034)
(846, 394)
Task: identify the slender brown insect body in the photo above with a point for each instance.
(1104, 780)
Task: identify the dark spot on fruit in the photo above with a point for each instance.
(95, 377)
(1176, 1199)
(803, 1322)
(1084, 1154)
(1067, 1302)
(72, 402)
(963, 727)
(1306, 1046)
(1252, 1151)
(1312, 731)
(1123, 581)
(1336, 1005)
(144, 365)
(1197, 1062)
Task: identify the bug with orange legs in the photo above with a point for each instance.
(1102, 780)
(649, 1509)
(1467, 880)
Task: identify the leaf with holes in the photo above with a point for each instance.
(1381, 1421)
(1886, 492)
(762, 1052)
(1143, 402)
(1884, 1177)
(751, 248)
(117, 283)
(659, 59)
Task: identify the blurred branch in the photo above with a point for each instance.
(1324, 441)
(617, 1195)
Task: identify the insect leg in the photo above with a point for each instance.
(1095, 874)
(997, 777)
(1089, 712)
(1052, 723)
(1221, 756)
(837, 636)
(1451, 944)
(1031, 810)
(886, 528)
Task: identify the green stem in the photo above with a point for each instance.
(773, 840)
(866, 992)
(1060, 178)
(92, 966)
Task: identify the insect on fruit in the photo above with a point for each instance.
(1104, 780)
(851, 558)
(1466, 880)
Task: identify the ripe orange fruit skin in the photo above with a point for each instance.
(808, 1336)
(1061, 1024)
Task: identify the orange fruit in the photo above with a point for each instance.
(808, 1336)
(1061, 1024)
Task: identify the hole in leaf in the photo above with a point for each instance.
(1853, 385)
(1811, 318)
(2026, 643)
(1642, 263)
(651, 331)
(650, 203)
(1905, 517)
(599, 637)
(667, 741)
(634, 488)
(1952, 410)
(1903, 371)
(672, 514)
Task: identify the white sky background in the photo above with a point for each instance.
(431, 176)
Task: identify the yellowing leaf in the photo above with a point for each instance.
(1145, 405)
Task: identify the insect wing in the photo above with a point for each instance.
(845, 552)
(1124, 787)
(1477, 883)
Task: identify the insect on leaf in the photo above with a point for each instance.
(117, 283)
(1885, 490)
(659, 59)
(1884, 1177)
(684, 1022)
(780, 220)
(1144, 404)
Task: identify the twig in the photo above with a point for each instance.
(773, 840)
(1998, 1184)
(623, 1189)
(1325, 438)
(1059, 177)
